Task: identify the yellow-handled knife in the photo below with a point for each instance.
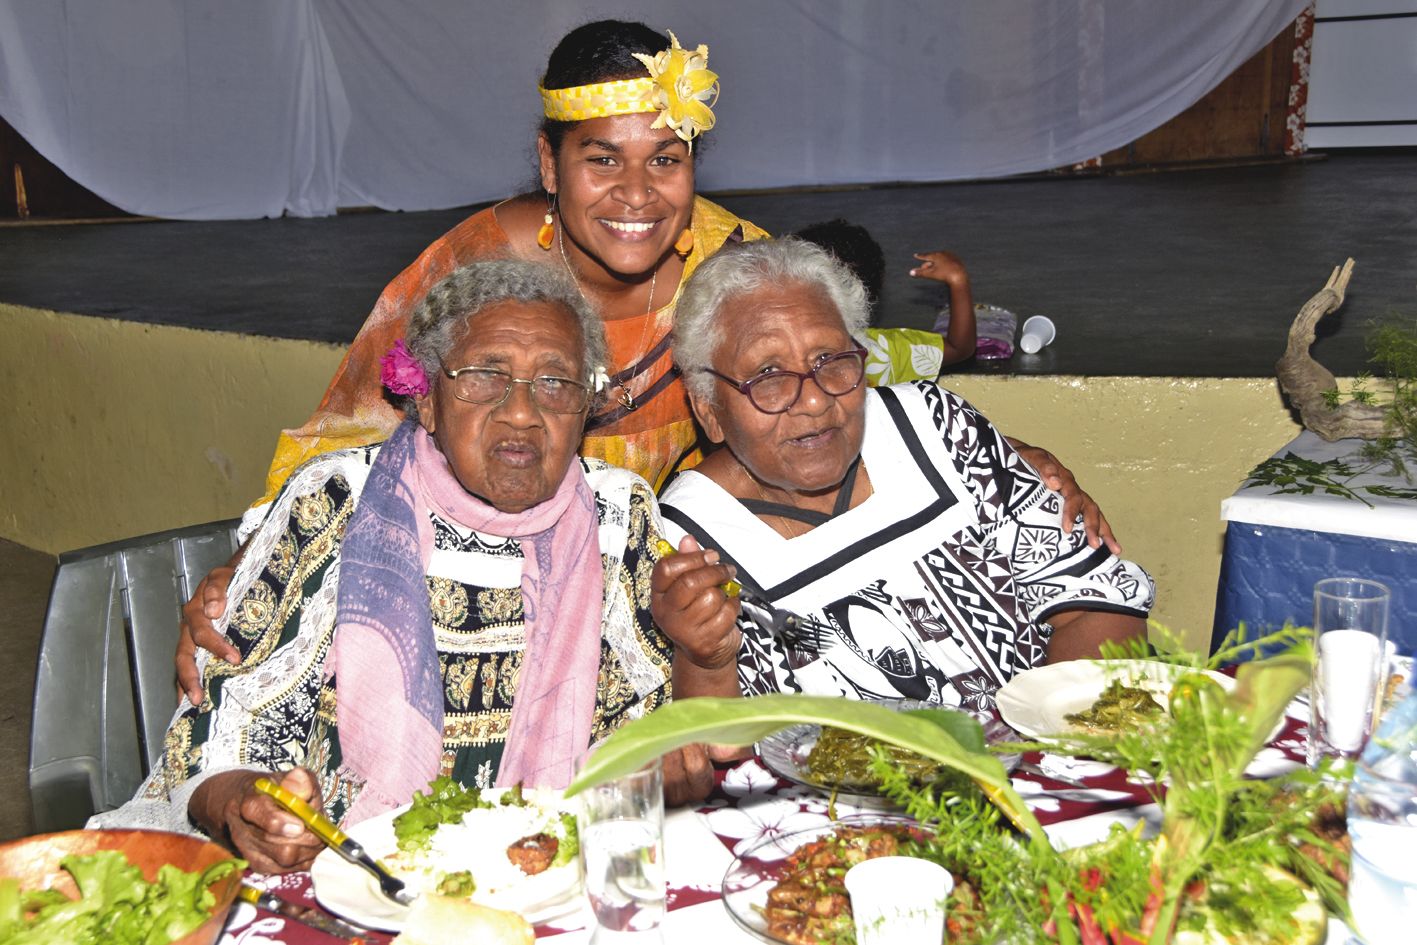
(336, 839)
(311, 917)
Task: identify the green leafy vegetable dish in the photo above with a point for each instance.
(1120, 706)
(839, 761)
(116, 905)
(844, 759)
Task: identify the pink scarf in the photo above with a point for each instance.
(391, 735)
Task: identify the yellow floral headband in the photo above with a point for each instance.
(679, 86)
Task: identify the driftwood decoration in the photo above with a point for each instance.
(1304, 380)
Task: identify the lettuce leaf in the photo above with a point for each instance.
(116, 906)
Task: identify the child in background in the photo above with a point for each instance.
(903, 354)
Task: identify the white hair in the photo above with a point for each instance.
(440, 321)
(738, 270)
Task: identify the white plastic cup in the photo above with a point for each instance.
(898, 900)
(1038, 332)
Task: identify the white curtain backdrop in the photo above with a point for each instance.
(213, 109)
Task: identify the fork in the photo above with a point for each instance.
(337, 840)
(805, 635)
(1041, 772)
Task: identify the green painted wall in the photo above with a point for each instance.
(1159, 454)
(116, 429)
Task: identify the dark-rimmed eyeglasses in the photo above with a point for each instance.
(477, 385)
(777, 391)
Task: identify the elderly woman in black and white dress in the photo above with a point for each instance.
(898, 518)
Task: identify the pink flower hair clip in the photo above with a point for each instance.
(401, 373)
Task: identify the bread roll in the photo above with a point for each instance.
(438, 920)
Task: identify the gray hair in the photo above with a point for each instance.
(738, 270)
(440, 321)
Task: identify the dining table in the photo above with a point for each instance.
(1076, 800)
(1281, 538)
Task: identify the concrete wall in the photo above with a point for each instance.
(116, 429)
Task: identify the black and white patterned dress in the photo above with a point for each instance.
(939, 586)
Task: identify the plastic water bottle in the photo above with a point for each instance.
(1382, 822)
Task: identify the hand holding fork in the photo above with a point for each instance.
(691, 586)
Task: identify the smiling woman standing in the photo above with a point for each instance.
(617, 211)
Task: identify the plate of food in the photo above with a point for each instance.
(1092, 696)
(502, 848)
(835, 760)
(788, 888)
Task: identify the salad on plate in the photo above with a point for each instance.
(509, 849)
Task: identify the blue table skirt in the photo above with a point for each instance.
(1267, 576)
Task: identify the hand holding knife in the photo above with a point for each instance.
(337, 840)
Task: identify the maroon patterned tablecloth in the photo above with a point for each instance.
(750, 803)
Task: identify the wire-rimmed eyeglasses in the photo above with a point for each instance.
(776, 391)
(477, 385)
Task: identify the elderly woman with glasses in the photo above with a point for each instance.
(468, 598)
(927, 559)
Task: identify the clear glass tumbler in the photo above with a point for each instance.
(1382, 823)
(1350, 635)
(622, 851)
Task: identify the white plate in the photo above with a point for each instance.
(345, 889)
(1036, 702)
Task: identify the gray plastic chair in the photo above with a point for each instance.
(105, 690)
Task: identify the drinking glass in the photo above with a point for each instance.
(1382, 823)
(622, 851)
(1350, 638)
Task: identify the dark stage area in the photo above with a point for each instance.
(1187, 273)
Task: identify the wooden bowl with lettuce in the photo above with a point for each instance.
(1236, 861)
(119, 887)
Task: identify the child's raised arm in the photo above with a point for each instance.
(943, 266)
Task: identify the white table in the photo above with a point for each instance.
(1278, 546)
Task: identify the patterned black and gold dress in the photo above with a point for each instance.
(278, 709)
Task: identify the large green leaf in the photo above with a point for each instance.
(1264, 689)
(951, 738)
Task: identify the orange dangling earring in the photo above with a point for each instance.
(684, 245)
(547, 234)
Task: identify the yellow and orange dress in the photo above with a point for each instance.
(654, 439)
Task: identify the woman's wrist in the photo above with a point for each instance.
(208, 805)
(692, 679)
